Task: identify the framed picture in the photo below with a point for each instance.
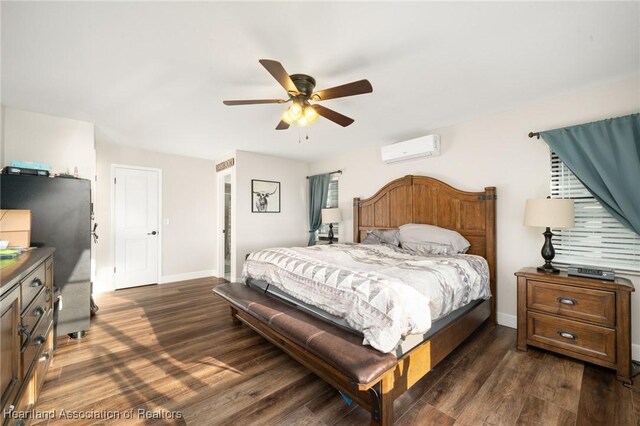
(265, 196)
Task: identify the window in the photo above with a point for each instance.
(332, 202)
(597, 239)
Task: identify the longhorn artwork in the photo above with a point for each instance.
(265, 196)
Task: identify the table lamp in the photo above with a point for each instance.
(331, 216)
(549, 213)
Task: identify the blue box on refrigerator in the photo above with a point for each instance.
(30, 165)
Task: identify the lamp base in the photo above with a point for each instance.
(330, 233)
(548, 253)
(548, 269)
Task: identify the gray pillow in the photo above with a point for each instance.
(382, 236)
(432, 238)
(428, 248)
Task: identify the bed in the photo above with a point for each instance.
(411, 199)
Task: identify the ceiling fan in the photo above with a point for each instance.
(299, 88)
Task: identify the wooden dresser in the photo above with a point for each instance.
(584, 318)
(26, 320)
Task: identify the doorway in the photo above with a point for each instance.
(225, 225)
(136, 223)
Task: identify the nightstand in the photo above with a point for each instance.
(584, 318)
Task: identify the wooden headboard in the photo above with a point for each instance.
(421, 199)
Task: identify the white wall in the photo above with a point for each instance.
(493, 151)
(1, 134)
(188, 202)
(254, 231)
(62, 143)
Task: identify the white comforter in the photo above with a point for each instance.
(383, 292)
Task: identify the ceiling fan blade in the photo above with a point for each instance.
(282, 125)
(278, 72)
(330, 114)
(350, 89)
(254, 102)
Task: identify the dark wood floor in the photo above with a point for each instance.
(172, 348)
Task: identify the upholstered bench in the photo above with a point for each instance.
(333, 345)
(334, 354)
(371, 378)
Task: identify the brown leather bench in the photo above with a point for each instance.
(335, 346)
(371, 378)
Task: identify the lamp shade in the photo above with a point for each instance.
(548, 212)
(331, 216)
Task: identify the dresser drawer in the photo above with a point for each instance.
(42, 363)
(596, 306)
(31, 285)
(23, 405)
(585, 339)
(39, 308)
(38, 340)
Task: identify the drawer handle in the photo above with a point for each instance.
(24, 329)
(567, 335)
(37, 282)
(567, 301)
(38, 311)
(39, 340)
(44, 357)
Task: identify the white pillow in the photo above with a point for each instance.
(413, 233)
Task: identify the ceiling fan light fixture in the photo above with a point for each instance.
(310, 114)
(295, 111)
(308, 117)
(286, 117)
(300, 91)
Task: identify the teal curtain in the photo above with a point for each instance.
(318, 189)
(605, 157)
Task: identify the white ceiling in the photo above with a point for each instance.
(154, 74)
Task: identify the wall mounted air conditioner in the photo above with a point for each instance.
(425, 146)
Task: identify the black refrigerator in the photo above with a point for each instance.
(60, 218)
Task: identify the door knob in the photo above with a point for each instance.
(152, 233)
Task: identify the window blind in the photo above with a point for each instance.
(332, 193)
(332, 202)
(597, 239)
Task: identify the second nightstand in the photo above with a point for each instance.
(584, 318)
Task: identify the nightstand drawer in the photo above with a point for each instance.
(586, 339)
(595, 306)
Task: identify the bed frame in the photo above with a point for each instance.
(421, 199)
(411, 199)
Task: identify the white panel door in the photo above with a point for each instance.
(136, 226)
